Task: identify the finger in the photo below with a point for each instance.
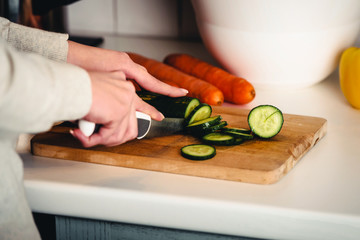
(125, 131)
(118, 75)
(132, 128)
(117, 132)
(85, 141)
(110, 135)
(103, 137)
(151, 83)
(144, 107)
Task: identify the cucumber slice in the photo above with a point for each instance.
(198, 152)
(199, 132)
(245, 136)
(238, 141)
(216, 127)
(178, 107)
(217, 138)
(203, 124)
(265, 121)
(235, 129)
(210, 121)
(201, 112)
(192, 104)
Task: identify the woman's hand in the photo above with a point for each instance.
(104, 60)
(114, 103)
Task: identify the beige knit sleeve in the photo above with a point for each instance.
(36, 92)
(48, 44)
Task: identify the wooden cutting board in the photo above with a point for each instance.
(254, 161)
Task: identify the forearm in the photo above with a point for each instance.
(48, 44)
(93, 58)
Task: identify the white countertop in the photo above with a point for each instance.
(318, 199)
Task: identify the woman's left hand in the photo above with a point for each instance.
(105, 60)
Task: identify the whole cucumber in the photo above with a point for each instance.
(170, 107)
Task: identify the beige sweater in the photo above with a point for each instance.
(35, 92)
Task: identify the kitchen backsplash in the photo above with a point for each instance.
(152, 18)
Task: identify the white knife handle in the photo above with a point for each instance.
(88, 128)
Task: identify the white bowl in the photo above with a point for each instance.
(278, 43)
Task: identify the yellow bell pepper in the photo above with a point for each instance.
(349, 75)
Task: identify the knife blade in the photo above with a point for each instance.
(167, 126)
(147, 128)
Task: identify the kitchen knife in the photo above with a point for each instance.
(147, 127)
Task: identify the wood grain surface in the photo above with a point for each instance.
(254, 161)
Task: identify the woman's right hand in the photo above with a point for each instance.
(114, 103)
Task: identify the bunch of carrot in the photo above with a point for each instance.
(206, 82)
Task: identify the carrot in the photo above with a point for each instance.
(235, 89)
(198, 88)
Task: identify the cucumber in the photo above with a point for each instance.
(201, 112)
(177, 107)
(265, 121)
(198, 152)
(217, 138)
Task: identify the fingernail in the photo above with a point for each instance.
(71, 132)
(184, 90)
(162, 116)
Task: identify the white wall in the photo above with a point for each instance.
(154, 18)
